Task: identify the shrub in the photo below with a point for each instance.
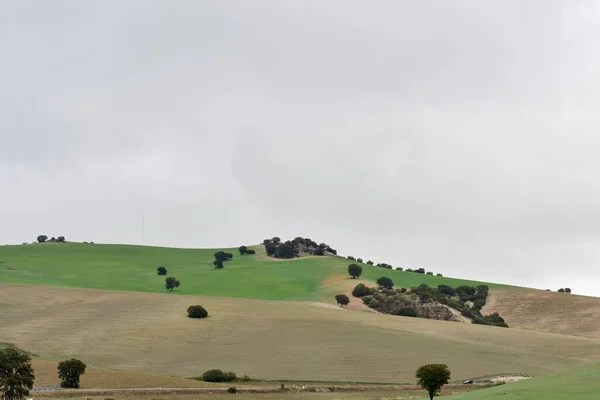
(218, 264)
(398, 268)
(332, 251)
(243, 249)
(216, 375)
(561, 290)
(351, 258)
(161, 271)
(359, 260)
(42, 238)
(232, 389)
(405, 312)
(342, 299)
(567, 290)
(385, 282)
(429, 273)
(319, 252)
(221, 255)
(439, 275)
(276, 240)
(361, 290)
(197, 312)
(250, 251)
(354, 270)
(60, 239)
(370, 262)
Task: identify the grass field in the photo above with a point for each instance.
(580, 383)
(150, 333)
(133, 268)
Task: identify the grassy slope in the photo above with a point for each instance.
(133, 268)
(150, 333)
(580, 383)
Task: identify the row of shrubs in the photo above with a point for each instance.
(44, 238)
(428, 302)
(388, 266)
(219, 376)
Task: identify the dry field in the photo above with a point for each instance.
(539, 310)
(151, 334)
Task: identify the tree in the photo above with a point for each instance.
(567, 290)
(561, 290)
(60, 239)
(197, 312)
(359, 260)
(361, 290)
(432, 377)
(243, 249)
(69, 372)
(354, 270)
(342, 299)
(218, 264)
(161, 271)
(221, 255)
(370, 262)
(385, 282)
(42, 238)
(250, 252)
(16, 374)
(171, 283)
(217, 375)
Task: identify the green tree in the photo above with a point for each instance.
(161, 271)
(69, 372)
(342, 299)
(218, 264)
(243, 249)
(432, 377)
(385, 282)
(171, 283)
(16, 374)
(354, 270)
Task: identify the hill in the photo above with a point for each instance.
(133, 268)
(581, 383)
(150, 333)
(546, 311)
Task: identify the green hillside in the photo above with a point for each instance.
(581, 383)
(133, 268)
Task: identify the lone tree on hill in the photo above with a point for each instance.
(197, 312)
(69, 371)
(161, 271)
(385, 282)
(342, 299)
(42, 238)
(16, 374)
(432, 377)
(171, 283)
(354, 270)
(243, 249)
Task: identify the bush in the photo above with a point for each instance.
(197, 312)
(250, 252)
(332, 251)
(218, 264)
(439, 275)
(370, 262)
(221, 255)
(359, 260)
(161, 271)
(362, 290)
(243, 249)
(429, 273)
(42, 238)
(319, 252)
(398, 268)
(60, 239)
(216, 375)
(351, 258)
(405, 312)
(385, 282)
(232, 389)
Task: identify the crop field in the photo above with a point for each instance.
(150, 333)
(133, 268)
(539, 310)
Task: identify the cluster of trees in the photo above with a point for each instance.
(197, 312)
(564, 290)
(220, 258)
(217, 375)
(44, 238)
(17, 375)
(244, 250)
(428, 302)
(292, 248)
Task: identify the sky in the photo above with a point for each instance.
(461, 137)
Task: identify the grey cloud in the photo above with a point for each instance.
(457, 136)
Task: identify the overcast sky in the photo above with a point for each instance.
(458, 136)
